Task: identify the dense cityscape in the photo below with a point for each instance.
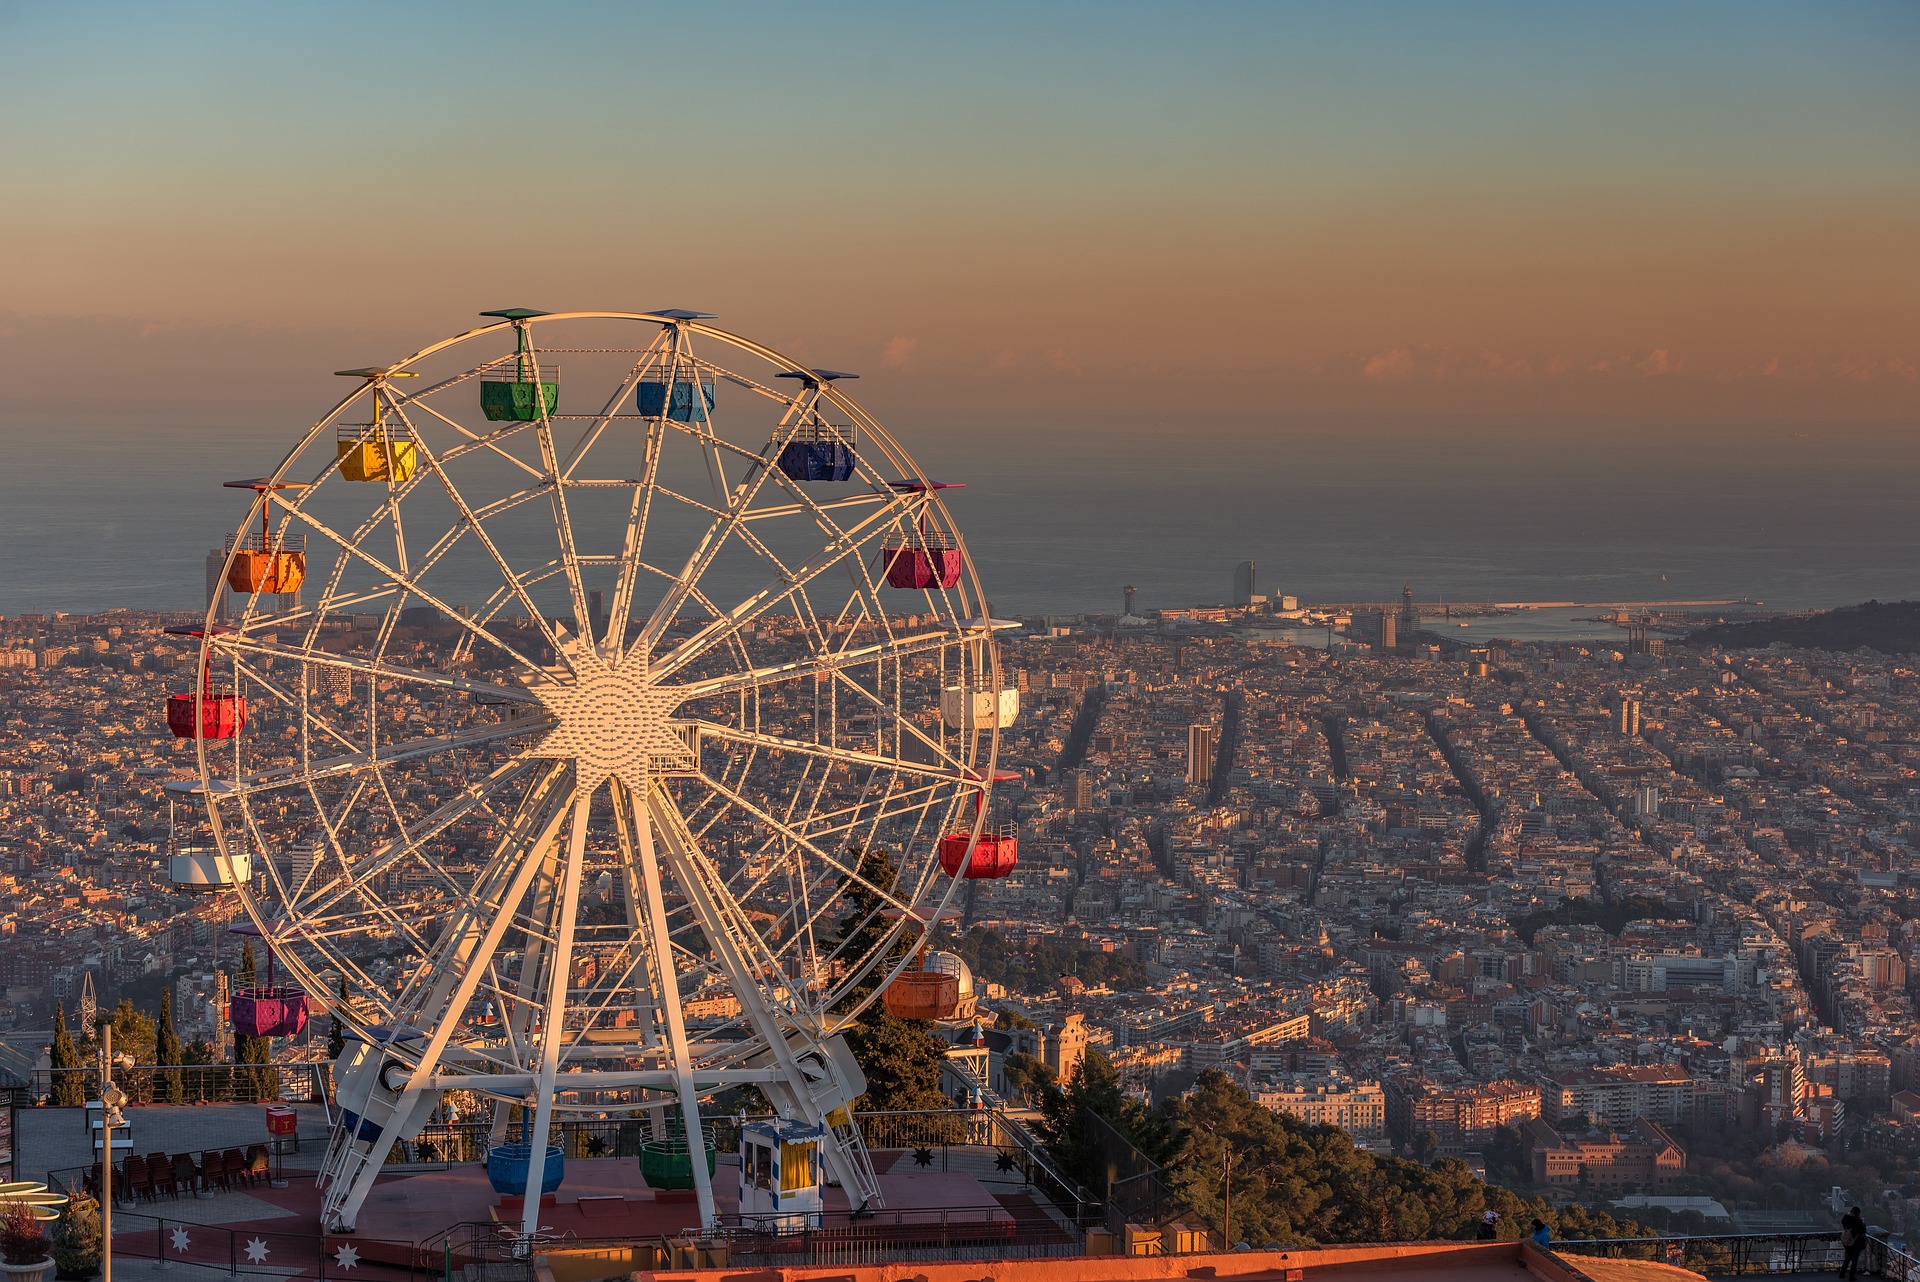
(1609, 922)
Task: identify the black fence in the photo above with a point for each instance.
(1738, 1254)
(956, 1233)
(194, 1083)
(236, 1251)
(1137, 1191)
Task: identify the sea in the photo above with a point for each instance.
(1062, 514)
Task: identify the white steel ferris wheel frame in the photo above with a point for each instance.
(633, 714)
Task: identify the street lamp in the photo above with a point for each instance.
(111, 1098)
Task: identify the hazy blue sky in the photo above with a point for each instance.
(1217, 208)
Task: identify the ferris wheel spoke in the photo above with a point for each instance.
(478, 529)
(475, 441)
(742, 954)
(950, 771)
(786, 585)
(378, 669)
(288, 699)
(382, 858)
(820, 664)
(301, 774)
(801, 842)
(412, 587)
(459, 958)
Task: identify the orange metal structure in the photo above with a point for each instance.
(267, 561)
(922, 994)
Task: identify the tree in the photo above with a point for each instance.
(69, 1091)
(1074, 1118)
(168, 1089)
(262, 1079)
(1299, 1184)
(135, 1034)
(1028, 1078)
(900, 1057)
(337, 1035)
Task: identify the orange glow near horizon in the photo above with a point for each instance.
(1442, 228)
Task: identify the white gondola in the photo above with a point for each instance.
(203, 870)
(964, 707)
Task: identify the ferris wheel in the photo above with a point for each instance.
(553, 731)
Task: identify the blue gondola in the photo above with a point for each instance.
(683, 405)
(507, 1168)
(818, 451)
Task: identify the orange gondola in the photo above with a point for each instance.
(270, 561)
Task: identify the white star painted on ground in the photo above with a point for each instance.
(256, 1250)
(346, 1257)
(179, 1239)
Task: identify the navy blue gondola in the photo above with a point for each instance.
(818, 451)
(682, 405)
(817, 455)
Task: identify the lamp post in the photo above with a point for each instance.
(1226, 1227)
(111, 1098)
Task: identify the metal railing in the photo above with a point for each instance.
(196, 1083)
(1737, 1254)
(955, 1233)
(237, 1251)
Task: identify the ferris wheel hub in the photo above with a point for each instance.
(611, 722)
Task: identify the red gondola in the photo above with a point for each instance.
(997, 851)
(994, 855)
(922, 994)
(922, 557)
(269, 1010)
(211, 712)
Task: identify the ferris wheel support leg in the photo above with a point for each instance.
(723, 936)
(640, 925)
(471, 942)
(559, 969)
(340, 1214)
(660, 944)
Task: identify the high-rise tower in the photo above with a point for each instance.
(1244, 585)
(1200, 750)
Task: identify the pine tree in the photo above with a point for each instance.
(167, 1053)
(1083, 1144)
(69, 1091)
(900, 1057)
(261, 1079)
(337, 1035)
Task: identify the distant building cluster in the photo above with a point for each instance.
(1568, 902)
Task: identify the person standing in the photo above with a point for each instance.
(1853, 1240)
(1488, 1220)
(1542, 1235)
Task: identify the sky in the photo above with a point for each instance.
(1211, 213)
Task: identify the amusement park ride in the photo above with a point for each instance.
(699, 632)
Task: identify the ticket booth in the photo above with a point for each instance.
(780, 1175)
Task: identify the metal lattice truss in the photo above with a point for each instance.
(566, 756)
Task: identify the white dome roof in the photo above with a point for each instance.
(951, 964)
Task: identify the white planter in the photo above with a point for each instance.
(39, 1272)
